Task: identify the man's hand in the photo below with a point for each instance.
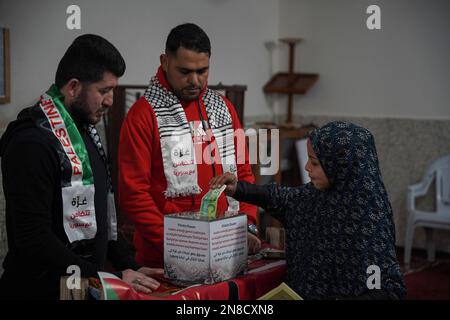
(151, 271)
(227, 179)
(254, 243)
(140, 280)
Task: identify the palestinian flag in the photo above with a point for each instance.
(115, 288)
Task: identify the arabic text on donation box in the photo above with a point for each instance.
(199, 249)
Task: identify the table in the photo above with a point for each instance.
(251, 286)
(263, 275)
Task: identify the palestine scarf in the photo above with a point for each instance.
(77, 181)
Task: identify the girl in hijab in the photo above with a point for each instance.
(340, 235)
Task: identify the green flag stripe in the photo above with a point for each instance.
(74, 135)
(110, 293)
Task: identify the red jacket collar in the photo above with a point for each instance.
(161, 75)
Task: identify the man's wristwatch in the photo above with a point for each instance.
(253, 229)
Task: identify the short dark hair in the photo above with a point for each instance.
(87, 59)
(189, 36)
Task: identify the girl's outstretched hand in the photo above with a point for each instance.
(228, 179)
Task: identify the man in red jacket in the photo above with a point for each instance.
(174, 140)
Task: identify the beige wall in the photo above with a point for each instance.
(400, 71)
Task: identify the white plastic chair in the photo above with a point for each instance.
(302, 156)
(439, 171)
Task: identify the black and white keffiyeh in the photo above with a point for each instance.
(177, 149)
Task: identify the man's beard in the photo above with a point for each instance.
(80, 112)
(179, 92)
(183, 97)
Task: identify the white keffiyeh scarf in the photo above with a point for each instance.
(177, 149)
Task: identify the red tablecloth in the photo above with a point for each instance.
(263, 276)
(248, 287)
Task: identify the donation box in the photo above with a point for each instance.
(205, 250)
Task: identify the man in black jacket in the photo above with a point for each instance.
(59, 204)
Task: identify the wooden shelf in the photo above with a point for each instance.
(291, 83)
